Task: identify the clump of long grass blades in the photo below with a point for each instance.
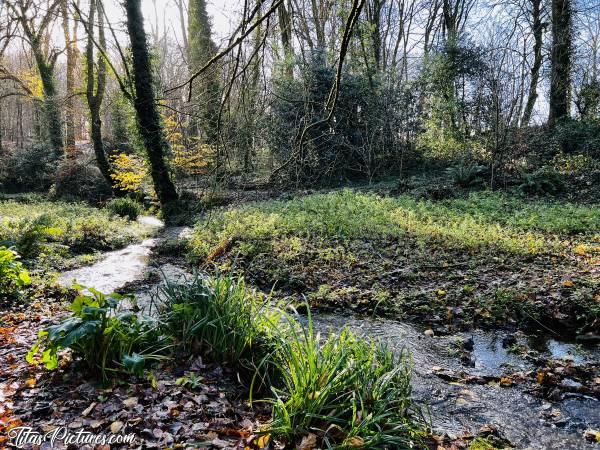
(350, 392)
(219, 316)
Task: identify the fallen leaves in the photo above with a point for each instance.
(308, 442)
(116, 426)
(130, 402)
(6, 335)
(592, 435)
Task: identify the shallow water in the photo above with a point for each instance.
(115, 270)
(528, 422)
(458, 408)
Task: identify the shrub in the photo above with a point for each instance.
(348, 391)
(108, 341)
(35, 228)
(13, 276)
(125, 207)
(129, 173)
(29, 235)
(543, 181)
(220, 315)
(29, 168)
(78, 178)
(467, 174)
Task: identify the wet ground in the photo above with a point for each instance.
(467, 380)
(459, 407)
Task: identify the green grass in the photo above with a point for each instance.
(346, 390)
(230, 322)
(51, 233)
(482, 221)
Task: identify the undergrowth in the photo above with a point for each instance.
(108, 340)
(342, 390)
(49, 233)
(482, 221)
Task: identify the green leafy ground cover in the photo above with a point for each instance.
(57, 235)
(485, 259)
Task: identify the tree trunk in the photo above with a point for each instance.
(537, 28)
(1, 135)
(374, 8)
(51, 106)
(560, 78)
(94, 99)
(201, 50)
(285, 29)
(71, 52)
(148, 117)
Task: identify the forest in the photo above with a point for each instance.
(300, 224)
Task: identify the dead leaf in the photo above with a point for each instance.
(116, 426)
(89, 409)
(356, 441)
(130, 402)
(540, 377)
(592, 435)
(262, 441)
(308, 442)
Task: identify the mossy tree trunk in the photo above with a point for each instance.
(537, 28)
(562, 48)
(148, 118)
(96, 85)
(51, 101)
(71, 53)
(201, 49)
(35, 33)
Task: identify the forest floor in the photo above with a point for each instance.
(437, 271)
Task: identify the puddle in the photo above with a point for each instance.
(456, 409)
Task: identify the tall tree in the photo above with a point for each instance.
(537, 29)
(35, 21)
(285, 30)
(148, 118)
(374, 9)
(96, 84)
(201, 49)
(72, 54)
(562, 48)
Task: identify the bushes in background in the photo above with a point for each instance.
(28, 169)
(79, 178)
(543, 181)
(125, 207)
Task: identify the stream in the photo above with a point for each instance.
(526, 421)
